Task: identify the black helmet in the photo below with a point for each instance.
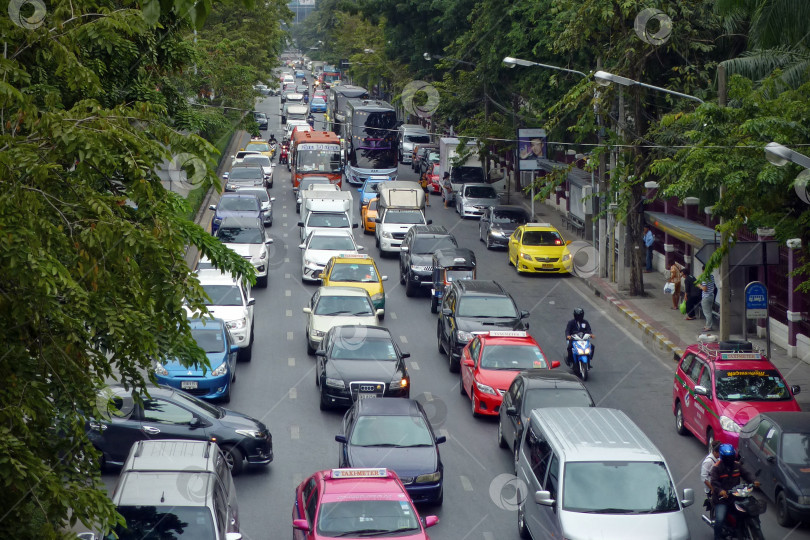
(579, 314)
(727, 454)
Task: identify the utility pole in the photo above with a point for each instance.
(725, 278)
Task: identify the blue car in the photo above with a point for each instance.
(318, 105)
(212, 336)
(237, 205)
(369, 189)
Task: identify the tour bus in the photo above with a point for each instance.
(316, 153)
(336, 105)
(371, 140)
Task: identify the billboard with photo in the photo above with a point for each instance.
(532, 147)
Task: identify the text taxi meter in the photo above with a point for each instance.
(756, 301)
(359, 473)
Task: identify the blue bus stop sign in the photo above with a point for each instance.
(756, 301)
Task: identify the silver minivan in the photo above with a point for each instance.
(409, 135)
(590, 472)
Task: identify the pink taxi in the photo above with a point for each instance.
(491, 361)
(356, 503)
(718, 387)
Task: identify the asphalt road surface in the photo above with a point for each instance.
(278, 386)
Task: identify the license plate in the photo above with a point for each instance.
(548, 266)
(365, 396)
(188, 385)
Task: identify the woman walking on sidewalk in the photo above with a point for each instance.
(707, 301)
(691, 293)
(675, 276)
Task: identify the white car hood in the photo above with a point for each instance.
(580, 526)
(397, 227)
(322, 256)
(324, 323)
(228, 313)
(246, 250)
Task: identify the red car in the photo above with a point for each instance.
(490, 362)
(718, 387)
(356, 503)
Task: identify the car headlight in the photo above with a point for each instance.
(803, 499)
(378, 296)
(335, 383)
(526, 256)
(262, 254)
(232, 186)
(566, 257)
(160, 370)
(221, 370)
(729, 425)
(387, 235)
(398, 383)
(496, 232)
(317, 333)
(428, 478)
(312, 264)
(238, 324)
(217, 219)
(484, 388)
(421, 268)
(252, 433)
(461, 335)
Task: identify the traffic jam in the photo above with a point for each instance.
(578, 470)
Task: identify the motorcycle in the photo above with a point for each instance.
(581, 353)
(283, 157)
(742, 519)
(311, 121)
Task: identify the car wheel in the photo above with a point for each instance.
(709, 438)
(439, 338)
(401, 276)
(226, 397)
(322, 404)
(234, 459)
(516, 457)
(472, 404)
(310, 349)
(297, 208)
(377, 241)
(461, 389)
(679, 427)
(501, 440)
(262, 282)
(487, 242)
(522, 530)
(783, 516)
(410, 288)
(246, 354)
(455, 365)
(434, 304)
(480, 234)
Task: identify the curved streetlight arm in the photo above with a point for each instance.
(509, 61)
(429, 57)
(779, 155)
(604, 78)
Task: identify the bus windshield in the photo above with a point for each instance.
(317, 157)
(374, 140)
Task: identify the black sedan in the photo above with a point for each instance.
(396, 434)
(499, 222)
(777, 445)
(357, 362)
(172, 414)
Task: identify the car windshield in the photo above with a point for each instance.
(332, 243)
(318, 101)
(260, 194)
(618, 487)
(486, 306)
(513, 357)
(166, 522)
(238, 204)
(467, 175)
(352, 516)
(404, 217)
(508, 218)
(243, 155)
(458, 275)
(246, 173)
(328, 220)
(796, 449)
(344, 305)
(538, 398)
(259, 161)
(362, 273)
(197, 406)
(423, 245)
(541, 238)
(481, 192)
(239, 235)
(750, 385)
(434, 157)
(258, 147)
(391, 431)
(208, 339)
(417, 139)
(361, 347)
(372, 187)
(223, 295)
(372, 204)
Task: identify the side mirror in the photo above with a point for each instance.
(268, 241)
(377, 220)
(194, 423)
(318, 274)
(341, 439)
(320, 353)
(212, 207)
(430, 521)
(795, 389)
(511, 411)
(384, 278)
(406, 355)
(771, 459)
(360, 189)
(544, 498)
(430, 222)
(301, 525)
(380, 313)
(701, 391)
(355, 225)
(272, 199)
(567, 242)
(555, 364)
(302, 246)
(688, 497)
(233, 536)
(447, 312)
(524, 314)
(233, 156)
(234, 348)
(307, 310)
(300, 223)
(251, 302)
(441, 439)
(403, 248)
(361, 248)
(468, 362)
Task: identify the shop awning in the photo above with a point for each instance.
(685, 230)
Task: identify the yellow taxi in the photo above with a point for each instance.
(259, 145)
(539, 248)
(368, 215)
(356, 271)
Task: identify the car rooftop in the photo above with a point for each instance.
(365, 331)
(164, 489)
(388, 406)
(342, 291)
(215, 276)
(172, 455)
(544, 378)
(595, 434)
(430, 229)
(540, 226)
(244, 222)
(789, 421)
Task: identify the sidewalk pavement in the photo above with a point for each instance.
(664, 330)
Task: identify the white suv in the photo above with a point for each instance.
(231, 302)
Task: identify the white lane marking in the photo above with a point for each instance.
(465, 482)
(551, 302)
(489, 536)
(289, 336)
(283, 215)
(286, 235)
(286, 259)
(414, 366)
(288, 292)
(403, 339)
(290, 362)
(288, 313)
(295, 434)
(428, 396)
(393, 315)
(293, 393)
(284, 207)
(287, 276)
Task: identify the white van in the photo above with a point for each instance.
(589, 472)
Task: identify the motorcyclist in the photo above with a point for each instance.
(726, 474)
(706, 472)
(311, 120)
(272, 139)
(576, 325)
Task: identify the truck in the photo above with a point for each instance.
(326, 210)
(316, 153)
(469, 171)
(401, 206)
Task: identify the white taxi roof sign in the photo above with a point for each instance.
(359, 473)
(508, 333)
(740, 356)
(538, 224)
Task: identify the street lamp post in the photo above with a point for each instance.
(780, 155)
(603, 78)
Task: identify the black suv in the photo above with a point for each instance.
(416, 255)
(474, 306)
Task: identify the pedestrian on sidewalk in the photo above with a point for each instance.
(707, 301)
(447, 188)
(692, 294)
(675, 277)
(648, 241)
